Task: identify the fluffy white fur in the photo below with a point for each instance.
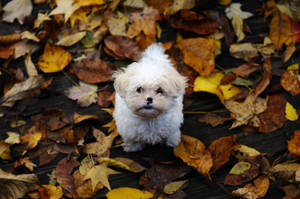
(148, 103)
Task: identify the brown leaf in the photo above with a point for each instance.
(63, 175)
(16, 186)
(198, 54)
(261, 184)
(245, 70)
(145, 22)
(246, 51)
(292, 191)
(280, 28)
(160, 5)
(93, 70)
(285, 171)
(121, 48)
(105, 97)
(160, 174)
(290, 82)
(274, 116)
(220, 151)
(294, 143)
(213, 119)
(191, 21)
(6, 51)
(235, 180)
(289, 51)
(266, 78)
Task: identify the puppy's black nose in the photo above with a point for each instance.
(149, 100)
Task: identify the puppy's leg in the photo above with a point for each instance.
(132, 146)
(173, 139)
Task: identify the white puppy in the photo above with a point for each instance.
(148, 103)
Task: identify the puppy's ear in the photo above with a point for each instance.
(121, 82)
(175, 83)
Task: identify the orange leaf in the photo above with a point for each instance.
(32, 137)
(198, 54)
(192, 152)
(54, 59)
(294, 143)
(79, 118)
(280, 28)
(289, 81)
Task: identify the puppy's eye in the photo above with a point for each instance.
(139, 89)
(160, 91)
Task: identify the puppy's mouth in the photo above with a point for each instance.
(147, 107)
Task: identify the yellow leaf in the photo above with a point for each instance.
(17, 123)
(127, 192)
(5, 153)
(40, 19)
(210, 84)
(229, 91)
(54, 59)
(99, 174)
(69, 40)
(13, 138)
(82, 3)
(32, 137)
(242, 152)
(293, 67)
(290, 112)
(174, 186)
(28, 35)
(240, 168)
(66, 7)
(53, 192)
(123, 163)
(237, 24)
(224, 2)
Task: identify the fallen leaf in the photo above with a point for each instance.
(51, 191)
(24, 47)
(245, 111)
(83, 188)
(246, 51)
(198, 54)
(28, 35)
(229, 91)
(85, 94)
(25, 162)
(13, 138)
(238, 26)
(127, 192)
(54, 59)
(285, 171)
(289, 51)
(261, 184)
(123, 163)
(5, 152)
(161, 174)
(89, 40)
(266, 79)
(77, 118)
(16, 186)
(293, 144)
(274, 116)
(30, 67)
(243, 152)
(105, 97)
(179, 5)
(172, 187)
(71, 39)
(121, 48)
(100, 174)
(17, 9)
(145, 22)
(213, 119)
(22, 90)
(117, 24)
(280, 29)
(245, 193)
(245, 174)
(191, 21)
(235, 10)
(93, 70)
(66, 7)
(63, 174)
(40, 19)
(224, 2)
(32, 137)
(290, 112)
(6, 51)
(103, 144)
(17, 123)
(290, 82)
(291, 191)
(221, 150)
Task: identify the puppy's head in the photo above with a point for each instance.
(150, 87)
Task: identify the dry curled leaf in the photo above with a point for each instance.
(123, 163)
(294, 143)
(285, 171)
(213, 119)
(16, 186)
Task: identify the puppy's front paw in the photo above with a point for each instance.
(173, 140)
(132, 147)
